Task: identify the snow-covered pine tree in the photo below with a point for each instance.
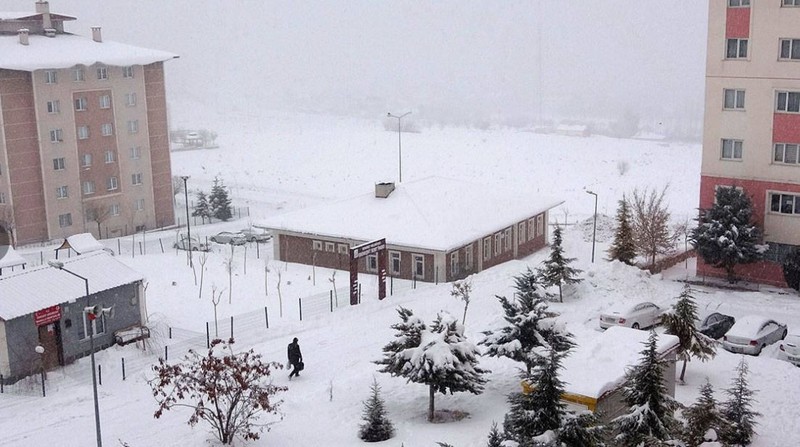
(623, 248)
(702, 416)
(495, 437)
(681, 323)
(219, 201)
(527, 282)
(651, 410)
(377, 426)
(408, 336)
(738, 410)
(201, 208)
(725, 235)
(555, 270)
(791, 269)
(528, 326)
(581, 429)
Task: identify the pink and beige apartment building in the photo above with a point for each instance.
(83, 132)
(751, 137)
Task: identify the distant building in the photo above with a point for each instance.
(436, 229)
(84, 141)
(751, 131)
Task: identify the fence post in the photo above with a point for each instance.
(231, 326)
(119, 246)
(208, 337)
(41, 257)
(258, 251)
(359, 293)
(161, 243)
(1, 384)
(170, 332)
(166, 353)
(436, 277)
(391, 285)
(123, 368)
(44, 394)
(331, 300)
(266, 316)
(100, 374)
(300, 304)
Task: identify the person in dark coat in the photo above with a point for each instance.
(295, 358)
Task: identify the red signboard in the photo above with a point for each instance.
(47, 316)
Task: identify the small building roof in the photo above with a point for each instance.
(9, 257)
(82, 243)
(37, 288)
(434, 213)
(68, 50)
(598, 365)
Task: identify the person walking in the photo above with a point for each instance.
(295, 358)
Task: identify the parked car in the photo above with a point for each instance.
(790, 349)
(253, 235)
(715, 325)
(640, 315)
(227, 237)
(752, 333)
(194, 245)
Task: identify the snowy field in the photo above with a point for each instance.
(275, 163)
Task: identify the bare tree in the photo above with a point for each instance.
(462, 290)
(332, 279)
(7, 222)
(266, 276)
(202, 259)
(280, 298)
(177, 187)
(97, 213)
(215, 298)
(228, 262)
(651, 233)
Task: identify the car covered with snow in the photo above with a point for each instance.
(227, 237)
(254, 235)
(790, 349)
(752, 333)
(638, 316)
(186, 244)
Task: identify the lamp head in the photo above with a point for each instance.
(39, 349)
(55, 264)
(590, 192)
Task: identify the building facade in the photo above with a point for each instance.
(751, 137)
(83, 132)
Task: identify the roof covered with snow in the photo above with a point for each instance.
(598, 364)
(83, 243)
(68, 50)
(36, 288)
(434, 213)
(9, 257)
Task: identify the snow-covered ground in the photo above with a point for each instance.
(277, 162)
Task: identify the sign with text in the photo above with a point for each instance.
(47, 316)
(375, 247)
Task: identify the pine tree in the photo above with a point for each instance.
(529, 326)
(791, 269)
(219, 201)
(651, 414)
(556, 270)
(581, 429)
(725, 235)
(738, 410)
(495, 438)
(623, 248)
(377, 426)
(702, 416)
(681, 322)
(408, 336)
(201, 208)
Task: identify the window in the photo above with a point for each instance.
(531, 229)
(130, 99)
(62, 192)
(127, 72)
(734, 99)
(791, 2)
(419, 266)
(78, 75)
(343, 249)
(394, 262)
(790, 49)
(65, 220)
(136, 152)
(788, 102)
(136, 179)
(110, 157)
(487, 248)
(330, 247)
(88, 187)
(540, 224)
(80, 104)
(316, 245)
(59, 164)
(86, 160)
(105, 101)
(53, 106)
(102, 73)
(90, 215)
(736, 49)
(521, 232)
(738, 3)
(731, 149)
(372, 263)
(106, 129)
(454, 263)
(50, 77)
(113, 209)
(468, 257)
(112, 183)
(2, 197)
(498, 243)
(83, 132)
(508, 238)
(56, 135)
(93, 327)
(138, 205)
(133, 126)
(784, 203)
(786, 153)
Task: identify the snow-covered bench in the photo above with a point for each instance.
(129, 335)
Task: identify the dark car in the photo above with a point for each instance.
(715, 325)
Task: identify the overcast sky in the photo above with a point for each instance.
(499, 60)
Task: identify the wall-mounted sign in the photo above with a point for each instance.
(47, 316)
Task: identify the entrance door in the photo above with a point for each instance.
(50, 339)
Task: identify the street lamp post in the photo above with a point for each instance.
(40, 350)
(60, 266)
(188, 230)
(594, 223)
(399, 145)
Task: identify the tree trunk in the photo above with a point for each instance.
(683, 370)
(560, 297)
(430, 404)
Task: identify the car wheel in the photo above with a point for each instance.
(635, 326)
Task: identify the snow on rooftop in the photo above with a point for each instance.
(9, 257)
(435, 213)
(36, 288)
(84, 243)
(68, 50)
(598, 364)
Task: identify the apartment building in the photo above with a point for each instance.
(83, 132)
(751, 137)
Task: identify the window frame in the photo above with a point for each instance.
(316, 245)
(790, 3)
(2, 197)
(109, 157)
(130, 99)
(468, 257)
(102, 73)
(738, 3)
(454, 266)
(62, 192)
(105, 101)
(372, 262)
(487, 248)
(88, 187)
(81, 104)
(138, 204)
(508, 239)
(136, 179)
(498, 244)
(51, 77)
(736, 96)
(521, 234)
(127, 71)
(343, 249)
(82, 132)
(59, 164)
(732, 144)
(742, 46)
(793, 49)
(135, 152)
(78, 75)
(86, 160)
(540, 225)
(93, 325)
(56, 136)
(418, 263)
(787, 102)
(112, 183)
(65, 220)
(395, 260)
(106, 129)
(330, 247)
(783, 152)
(780, 195)
(53, 107)
(113, 209)
(133, 126)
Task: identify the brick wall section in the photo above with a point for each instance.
(158, 131)
(763, 272)
(24, 162)
(737, 23)
(786, 128)
(97, 144)
(755, 189)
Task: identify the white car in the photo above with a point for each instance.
(194, 245)
(253, 235)
(641, 315)
(790, 349)
(753, 333)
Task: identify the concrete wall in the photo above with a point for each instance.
(158, 131)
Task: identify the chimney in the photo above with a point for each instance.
(382, 190)
(23, 36)
(96, 35)
(43, 8)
